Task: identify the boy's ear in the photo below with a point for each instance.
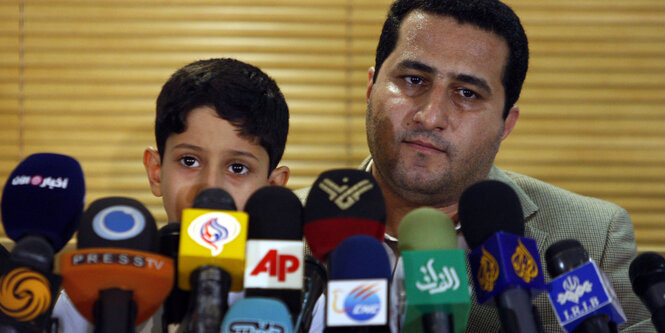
(153, 165)
(279, 176)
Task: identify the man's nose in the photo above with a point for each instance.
(433, 113)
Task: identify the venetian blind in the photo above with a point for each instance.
(80, 77)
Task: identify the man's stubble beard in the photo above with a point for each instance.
(433, 189)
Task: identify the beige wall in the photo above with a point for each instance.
(80, 77)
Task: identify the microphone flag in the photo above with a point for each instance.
(503, 261)
(582, 292)
(436, 281)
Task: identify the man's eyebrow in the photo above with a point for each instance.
(417, 65)
(474, 80)
(241, 153)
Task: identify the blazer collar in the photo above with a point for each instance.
(529, 208)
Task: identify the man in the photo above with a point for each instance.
(440, 100)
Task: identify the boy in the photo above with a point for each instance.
(219, 123)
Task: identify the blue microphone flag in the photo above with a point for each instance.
(503, 261)
(581, 293)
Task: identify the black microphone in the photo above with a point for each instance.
(647, 275)
(211, 257)
(316, 277)
(42, 202)
(275, 250)
(581, 295)
(342, 203)
(175, 305)
(506, 266)
(115, 278)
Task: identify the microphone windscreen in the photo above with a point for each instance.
(44, 195)
(117, 222)
(646, 270)
(275, 212)
(564, 256)
(359, 257)
(214, 198)
(487, 207)
(257, 315)
(426, 228)
(342, 203)
(168, 239)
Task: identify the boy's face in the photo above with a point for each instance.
(209, 153)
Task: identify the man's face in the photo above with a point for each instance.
(209, 153)
(434, 115)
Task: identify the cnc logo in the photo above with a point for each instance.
(213, 230)
(118, 222)
(488, 271)
(254, 327)
(361, 303)
(342, 195)
(277, 265)
(38, 180)
(574, 290)
(24, 294)
(523, 263)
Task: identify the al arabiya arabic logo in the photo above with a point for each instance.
(213, 230)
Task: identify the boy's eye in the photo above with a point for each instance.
(189, 161)
(239, 169)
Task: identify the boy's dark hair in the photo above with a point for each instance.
(240, 93)
(490, 15)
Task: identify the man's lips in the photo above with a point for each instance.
(424, 146)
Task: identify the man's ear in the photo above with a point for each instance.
(153, 165)
(370, 81)
(509, 122)
(279, 176)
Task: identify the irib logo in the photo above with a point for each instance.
(118, 222)
(213, 230)
(574, 290)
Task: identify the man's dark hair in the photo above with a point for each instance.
(240, 93)
(490, 15)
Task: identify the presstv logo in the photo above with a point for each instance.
(38, 180)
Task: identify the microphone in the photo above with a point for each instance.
(647, 275)
(258, 314)
(342, 203)
(581, 295)
(175, 305)
(114, 278)
(275, 253)
(44, 187)
(505, 265)
(211, 257)
(357, 293)
(42, 201)
(437, 293)
(316, 278)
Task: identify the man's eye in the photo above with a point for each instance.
(414, 80)
(467, 93)
(189, 161)
(239, 169)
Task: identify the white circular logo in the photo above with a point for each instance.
(118, 222)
